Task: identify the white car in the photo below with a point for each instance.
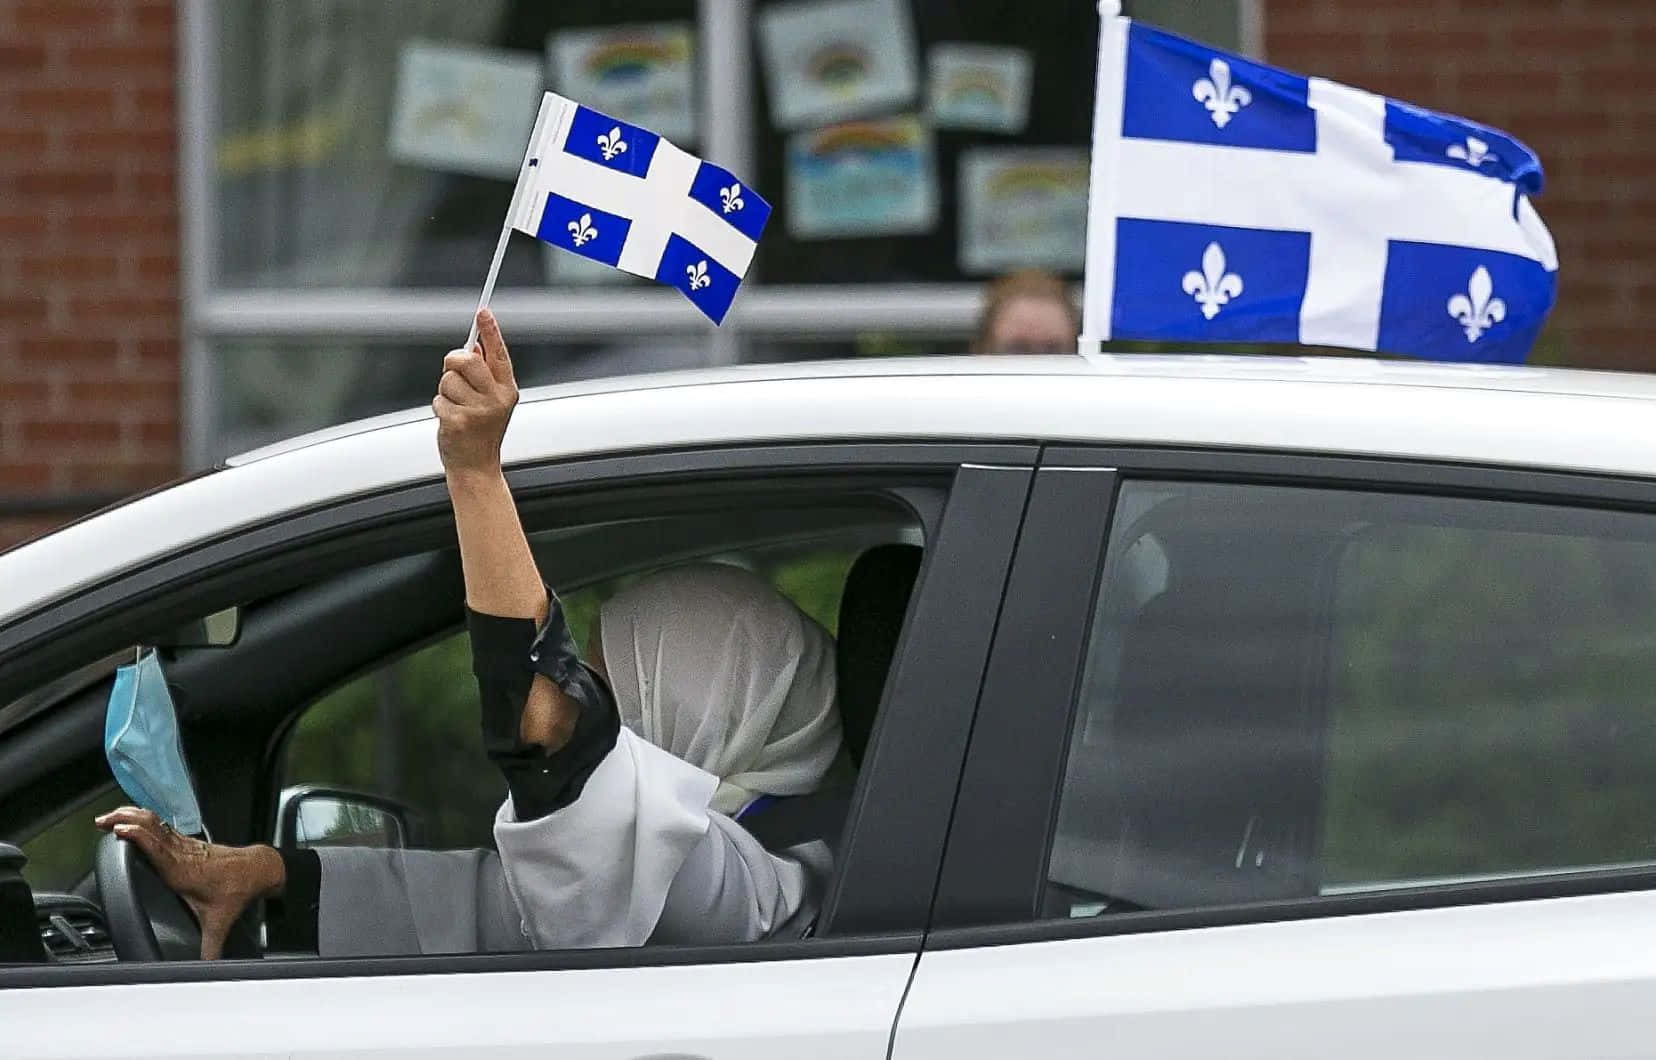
(1203, 706)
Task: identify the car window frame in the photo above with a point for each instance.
(995, 870)
(967, 558)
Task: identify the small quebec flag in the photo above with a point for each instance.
(1236, 202)
(624, 196)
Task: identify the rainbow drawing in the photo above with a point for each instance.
(839, 65)
(1037, 179)
(631, 58)
(860, 138)
(974, 88)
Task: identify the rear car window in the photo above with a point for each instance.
(1292, 692)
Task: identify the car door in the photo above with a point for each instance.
(1293, 756)
(832, 995)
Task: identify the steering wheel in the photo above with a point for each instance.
(147, 921)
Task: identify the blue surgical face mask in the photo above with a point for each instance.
(142, 744)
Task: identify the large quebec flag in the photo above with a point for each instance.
(1233, 201)
(622, 195)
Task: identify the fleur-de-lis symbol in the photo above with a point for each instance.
(1218, 95)
(698, 275)
(731, 197)
(582, 231)
(611, 144)
(1474, 154)
(1213, 286)
(1476, 310)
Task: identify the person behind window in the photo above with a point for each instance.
(1027, 312)
(706, 696)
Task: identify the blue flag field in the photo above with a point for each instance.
(1236, 202)
(622, 195)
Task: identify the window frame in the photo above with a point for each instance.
(939, 659)
(1010, 790)
(212, 313)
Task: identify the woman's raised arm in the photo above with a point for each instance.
(474, 403)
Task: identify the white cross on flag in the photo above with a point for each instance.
(1233, 201)
(622, 195)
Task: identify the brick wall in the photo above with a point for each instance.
(1576, 80)
(89, 314)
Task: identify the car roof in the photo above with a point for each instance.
(1332, 370)
(1531, 417)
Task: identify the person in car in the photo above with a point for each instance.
(704, 696)
(1028, 311)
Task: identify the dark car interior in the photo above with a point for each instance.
(238, 703)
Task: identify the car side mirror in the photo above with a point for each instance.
(333, 817)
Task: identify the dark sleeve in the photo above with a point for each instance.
(507, 653)
(290, 918)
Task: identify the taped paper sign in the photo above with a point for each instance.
(828, 60)
(862, 179)
(972, 86)
(464, 109)
(642, 74)
(1023, 208)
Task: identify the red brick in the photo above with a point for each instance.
(152, 185)
(155, 433)
(1628, 83)
(31, 477)
(112, 303)
(116, 223)
(18, 57)
(58, 101)
(161, 269)
(126, 328)
(70, 268)
(1435, 41)
(23, 392)
(154, 101)
(153, 15)
(125, 55)
(56, 16)
(23, 309)
(63, 184)
(1563, 40)
(145, 392)
(48, 350)
(71, 431)
(156, 350)
(21, 147)
(1337, 44)
(1510, 85)
(125, 142)
(23, 225)
(123, 476)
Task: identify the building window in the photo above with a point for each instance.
(348, 164)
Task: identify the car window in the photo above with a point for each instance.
(408, 729)
(1292, 692)
(60, 855)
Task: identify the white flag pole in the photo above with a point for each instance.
(529, 152)
(1098, 279)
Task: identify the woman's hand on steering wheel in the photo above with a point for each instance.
(217, 882)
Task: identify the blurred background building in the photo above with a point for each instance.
(223, 223)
